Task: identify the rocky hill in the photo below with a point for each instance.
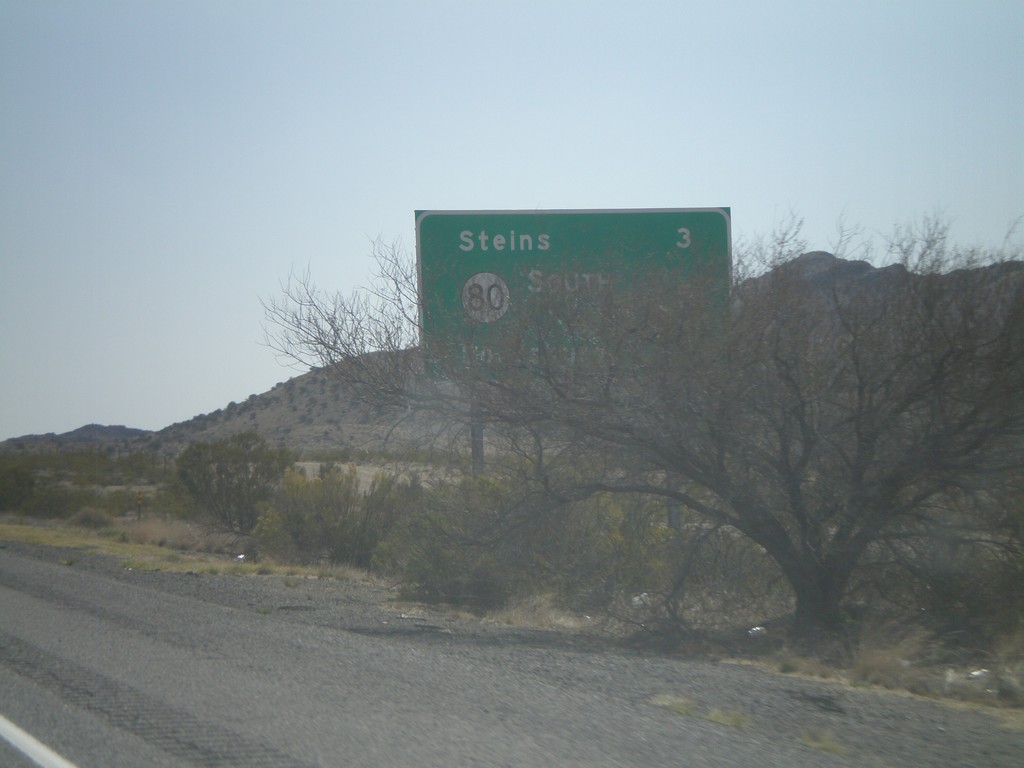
(88, 438)
(309, 412)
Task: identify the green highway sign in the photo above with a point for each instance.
(478, 267)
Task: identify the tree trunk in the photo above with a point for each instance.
(818, 581)
(819, 592)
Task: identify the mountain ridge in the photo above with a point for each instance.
(311, 412)
(308, 412)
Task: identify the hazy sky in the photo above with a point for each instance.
(166, 164)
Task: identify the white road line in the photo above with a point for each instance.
(31, 747)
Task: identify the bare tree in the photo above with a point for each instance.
(824, 409)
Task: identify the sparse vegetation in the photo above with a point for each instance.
(730, 717)
(547, 579)
(230, 479)
(16, 485)
(871, 538)
(793, 664)
(329, 518)
(686, 706)
(540, 612)
(88, 517)
(893, 657)
(856, 429)
(681, 705)
(818, 738)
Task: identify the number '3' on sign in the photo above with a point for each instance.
(485, 297)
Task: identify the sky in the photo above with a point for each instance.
(165, 165)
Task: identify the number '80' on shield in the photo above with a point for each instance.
(485, 297)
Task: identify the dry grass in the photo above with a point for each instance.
(335, 572)
(893, 657)
(730, 717)
(538, 612)
(907, 659)
(885, 650)
(92, 518)
(172, 534)
(821, 739)
(158, 545)
(805, 666)
(898, 657)
(684, 705)
(1012, 719)
(53, 536)
(885, 667)
(681, 705)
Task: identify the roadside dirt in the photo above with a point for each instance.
(833, 724)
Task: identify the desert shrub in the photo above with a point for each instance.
(143, 468)
(170, 533)
(328, 518)
(229, 479)
(480, 541)
(717, 579)
(170, 500)
(389, 498)
(59, 501)
(86, 468)
(308, 518)
(89, 517)
(16, 486)
(453, 550)
(273, 537)
(116, 503)
(613, 545)
(440, 569)
(964, 592)
(893, 655)
(59, 484)
(977, 600)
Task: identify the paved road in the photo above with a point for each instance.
(110, 667)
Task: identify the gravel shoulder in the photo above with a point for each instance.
(791, 720)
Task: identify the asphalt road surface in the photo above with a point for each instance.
(113, 667)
